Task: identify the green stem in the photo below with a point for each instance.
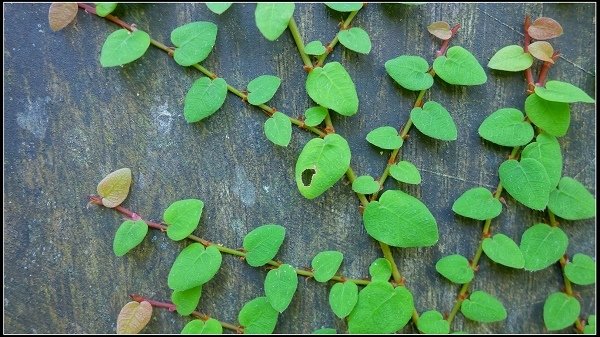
(335, 40)
(300, 44)
(328, 123)
(351, 177)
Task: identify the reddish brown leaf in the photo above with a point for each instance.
(541, 50)
(61, 14)
(440, 29)
(133, 317)
(544, 29)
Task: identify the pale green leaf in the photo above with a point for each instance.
(332, 88)
(204, 98)
(194, 41)
(477, 203)
(130, 234)
(278, 129)
(503, 250)
(455, 268)
(572, 201)
(315, 115)
(262, 244)
(315, 48)
(123, 46)
(210, 327)
(183, 217)
(218, 7)
(405, 172)
(432, 322)
(258, 316)
(262, 89)
(552, 117)
(105, 8)
(385, 137)
(546, 150)
(410, 72)
(557, 91)
(342, 298)
(483, 307)
(186, 301)
(325, 331)
(344, 6)
(542, 246)
(326, 264)
(272, 18)
(581, 270)
(114, 188)
(365, 185)
(590, 327)
(280, 286)
(560, 311)
(380, 270)
(459, 67)
(355, 39)
(506, 127)
(434, 120)
(541, 50)
(511, 58)
(194, 266)
(526, 181)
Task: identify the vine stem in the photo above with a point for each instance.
(300, 44)
(335, 40)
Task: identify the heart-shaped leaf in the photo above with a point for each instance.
(258, 316)
(542, 246)
(128, 236)
(204, 98)
(503, 250)
(194, 266)
(280, 286)
(183, 217)
(325, 331)
(332, 87)
(405, 172)
(365, 185)
(552, 117)
(61, 14)
(546, 150)
(410, 72)
(123, 46)
(105, 8)
(385, 137)
(483, 307)
(511, 58)
(262, 244)
(590, 327)
(114, 188)
(542, 50)
(186, 301)
(560, 311)
(315, 48)
(344, 6)
(400, 220)
(459, 67)
(197, 327)
(545, 28)
(315, 115)
(326, 264)
(434, 121)
(355, 39)
(133, 317)
(581, 270)
(219, 7)
(342, 298)
(477, 203)
(432, 322)
(194, 41)
(278, 129)
(526, 181)
(440, 29)
(272, 18)
(506, 127)
(455, 268)
(380, 270)
(321, 164)
(262, 89)
(572, 201)
(557, 91)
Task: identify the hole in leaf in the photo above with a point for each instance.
(307, 176)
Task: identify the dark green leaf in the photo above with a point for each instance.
(315, 48)
(194, 41)
(385, 137)
(219, 7)
(326, 264)
(546, 150)
(581, 270)
(552, 117)
(380, 270)
(186, 301)
(410, 72)
(280, 286)
(572, 201)
(194, 266)
(315, 115)
(210, 327)
(483, 307)
(506, 127)
(455, 268)
(542, 246)
(183, 217)
(434, 121)
(355, 39)
(526, 181)
(503, 250)
(204, 98)
(262, 244)
(105, 8)
(258, 316)
(560, 311)
(332, 87)
(459, 67)
(477, 203)
(557, 91)
(405, 172)
(122, 47)
(342, 298)
(278, 129)
(511, 58)
(344, 6)
(365, 185)
(262, 89)
(432, 322)
(128, 236)
(272, 18)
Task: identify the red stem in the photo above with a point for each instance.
(446, 43)
(109, 17)
(95, 199)
(526, 42)
(545, 68)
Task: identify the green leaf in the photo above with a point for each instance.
(590, 327)
(552, 117)
(380, 270)
(105, 8)
(400, 220)
(477, 203)
(258, 316)
(557, 91)
(114, 188)
(572, 201)
(365, 185)
(581, 270)
(455, 268)
(560, 311)
(410, 72)
(183, 217)
(194, 41)
(128, 236)
(280, 286)
(219, 7)
(526, 181)
(355, 39)
(546, 150)
(325, 331)
(506, 127)
(326, 264)
(503, 250)
(483, 307)
(511, 58)
(344, 6)
(315, 115)
(122, 47)
(434, 121)
(432, 322)
(385, 137)
(262, 244)
(272, 18)
(315, 48)
(278, 129)
(186, 301)
(542, 246)
(332, 87)
(459, 67)
(342, 298)
(405, 172)
(204, 98)
(381, 309)
(194, 266)
(262, 89)
(321, 164)
(210, 327)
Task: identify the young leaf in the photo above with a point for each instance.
(210, 327)
(542, 246)
(280, 286)
(572, 201)
(552, 117)
(581, 270)
(380, 270)
(204, 98)
(262, 89)
(133, 317)
(186, 301)
(342, 298)
(557, 91)
(511, 58)
(262, 244)
(546, 150)
(385, 137)
(459, 67)
(440, 29)
(183, 217)
(410, 72)
(278, 129)
(544, 29)
(477, 203)
(560, 311)
(355, 39)
(332, 88)
(315, 115)
(272, 18)
(434, 121)
(590, 327)
(194, 41)
(432, 322)
(194, 266)
(455, 268)
(122, 47)
(219, 7)
(365, 185)
(325, 331)
(542, 50)
(105, 8)
(344, 6)
(503, 250)
(258, 316)
(315, 48)
(405, 172)
(400, 220)
(114, 188)
(381, 309)
(326, 264)
(483, 307)
(506, 127)
(128, 236)
(526, 181)
(321, 164)
(61, 14)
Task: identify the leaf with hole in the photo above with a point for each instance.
(262, 89)
(344, 6)
(503, 250)
(477, 203)
(355, 39)
(280, 286)
(590, 327)
(434, 120)
(218, 7)
(365, 185)
(526, 181)
(542, 246)
(326, 264)
(321, 164)
(483, 307)
(186, 301)
(61, 14)
(410, 72)
(459, 67)
(134, 317)
(560, 311)
(380, 270)
(194, 41)
(552, 117)
(183, 217)
(315, 48)
(278, 129)
(406, 172)
(194, 266)
(506, 127)
(400, 220)
(204, 98)
(432, 322)
(114, 188)
(258, 316)
(542, 50)
(210, 327)
(315, 115)
(262, 244)
(546, 150)
(332, 88)
(581, 270)
(572, 201)
(545, 28)
(272, 18)
(105, 8)
(440, 29)
(342, 298)
(455, 268)
(385, 137)
(130, 234)
(511, 58)
(557, 91)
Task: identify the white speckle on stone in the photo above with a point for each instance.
(266, 188)
(243, 188)
(35, 117)
(162, 117)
